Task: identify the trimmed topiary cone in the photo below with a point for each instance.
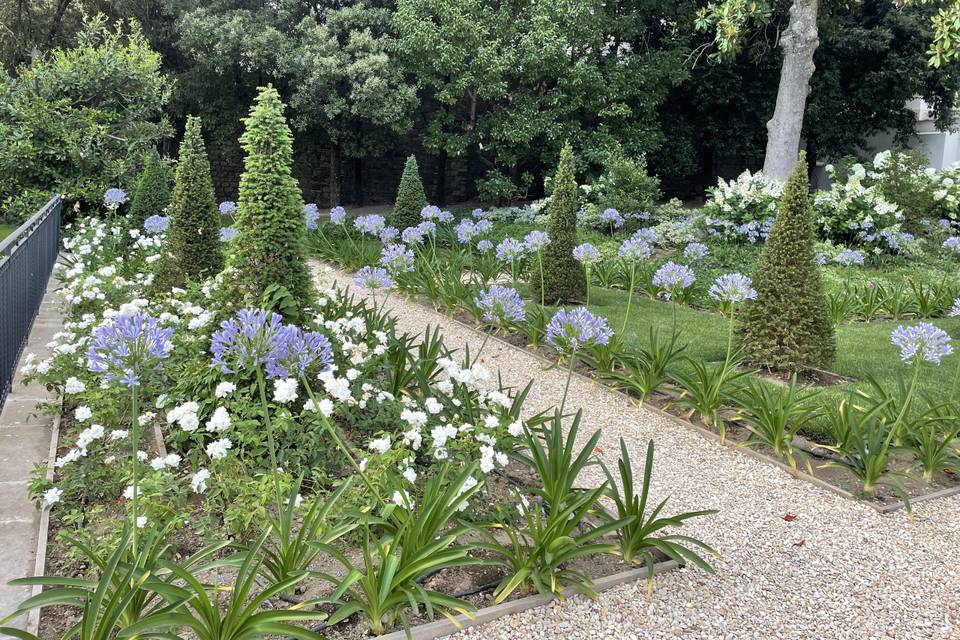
(151, 195)
(564, 279)
(411, 198)
(194, 235)
(788, 328)
(270, 248)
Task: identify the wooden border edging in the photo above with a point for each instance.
(40, 563)
(879, 508)
(445, 627)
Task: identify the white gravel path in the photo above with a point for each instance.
(838, 570)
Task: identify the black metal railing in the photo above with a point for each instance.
(27, 257)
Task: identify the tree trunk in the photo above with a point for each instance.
(799, 41)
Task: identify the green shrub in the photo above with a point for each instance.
(410, 197)
(626, 186)
(498, 189)
(151, 195)
(194, 235)
(564, 279)
(904, 182)
(270, 250)
(80, 120)
(788, 326)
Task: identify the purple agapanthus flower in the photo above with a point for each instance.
(922, 342)
(113, 197)
(478, 213)
(501, 305)
(445, 216)
(646, 234)
(634, 249)
(483, 226)
(228, 233)
(611, 218)
(585, 252)
(952, 244)
(848, 258)
(955, 310)
(820, 258)
(311, 214)
(510, 249)
(412, 235)
(427, 227)
(429, 212)
(389, 234)
(733, 288)
(338, 215)
(572, 330)
(156, 224)
(129, 346)
(371, 224)
(673, 278)
(373, 278)
(246, 340)
(536, 240)
(227, 208)
(396, 258)
(484, 246)
(466, 229)
(293, 350)
(695, 251)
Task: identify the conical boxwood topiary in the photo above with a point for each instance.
(787, 328)
(151, 194)
(270, 249)
(194, 234)
(564, 279)
(411, 198)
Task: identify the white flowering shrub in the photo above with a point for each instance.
(742, 209)
(946, 194)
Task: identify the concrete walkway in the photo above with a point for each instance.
(24, 441)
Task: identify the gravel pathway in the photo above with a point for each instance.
(837, 570)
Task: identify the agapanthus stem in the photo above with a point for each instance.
(626, 316)
(566, 387)
(587, 271)
(341, 444)
(134, 445)
(261, 384)
(897, 425)
(729, 339)
(486, 336)
(543, 290)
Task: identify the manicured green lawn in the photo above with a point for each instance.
(5, 230)
(863, 349)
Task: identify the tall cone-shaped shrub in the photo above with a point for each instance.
(564, 279)
(151, 194)
(194, 234)
(270, 249)
(411, 198)
(787, 327)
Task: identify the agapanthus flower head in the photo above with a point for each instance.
(429, 212)
(396, 258)
(466, 229)
(412, 235)
(646, 234)
(389, 234)
(952, 244)
(572, 330)
(510, 249)
(585, 252)
(673, 278)
(611, 218)
(129, 346)
(922, 342)
(246, 340)
(156, 224)
(478, 214)
(484, 246)
(634, 249)
(114, 197)
(483, 226)
(427, 227)
(695, 251)
(445, 216)
(228, 233)
(294, 350)
(501, 305)
(536, 240)
(227, 208)
(848, 258)
(371, 224)
(373, 278)
(338, 215)
(311, 214)
(955, 310)
(733, 288)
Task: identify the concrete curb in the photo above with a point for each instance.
(43, 533)
(445, 627)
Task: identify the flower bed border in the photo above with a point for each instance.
(444, 627)
(706, 433)
(43, 533)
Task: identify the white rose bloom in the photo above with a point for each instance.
(285, 390)
(219, 421)
(224, 389)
